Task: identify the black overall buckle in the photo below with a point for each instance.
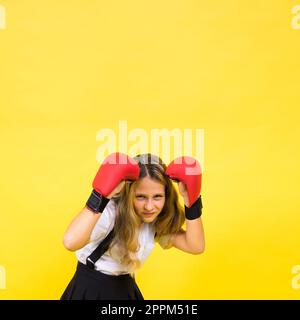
(90, 263)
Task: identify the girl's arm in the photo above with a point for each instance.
(109, 180)
(79, 231)
(192, 240)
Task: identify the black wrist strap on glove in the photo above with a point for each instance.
(194, 211)
(97, 202)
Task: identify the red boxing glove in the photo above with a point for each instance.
(187, 170)
(115, 168)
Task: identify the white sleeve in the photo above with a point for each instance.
(105, 223)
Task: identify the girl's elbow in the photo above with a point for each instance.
(72, 243)
(69, 244)
(199, 249)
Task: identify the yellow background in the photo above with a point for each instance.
(69, 68)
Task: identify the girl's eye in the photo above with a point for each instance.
(140, 197)
(158, 197)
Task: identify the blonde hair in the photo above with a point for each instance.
(127, 223)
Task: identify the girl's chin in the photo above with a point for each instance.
(149, 218)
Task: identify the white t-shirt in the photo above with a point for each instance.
(107, 263)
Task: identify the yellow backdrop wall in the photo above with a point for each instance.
(71, 68)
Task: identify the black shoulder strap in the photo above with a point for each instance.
(100, 250)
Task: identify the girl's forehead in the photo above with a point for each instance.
(149, 184)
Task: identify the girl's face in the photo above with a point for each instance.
(149, 199)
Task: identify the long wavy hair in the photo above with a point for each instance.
(126, 229)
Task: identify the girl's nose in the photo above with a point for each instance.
(149, 205)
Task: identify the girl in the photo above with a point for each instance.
(132, 205)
